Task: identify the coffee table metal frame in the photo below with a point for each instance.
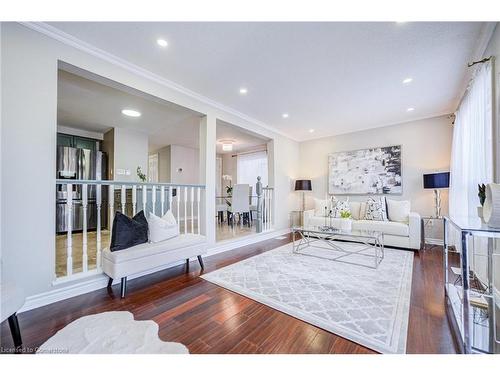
(335, 239)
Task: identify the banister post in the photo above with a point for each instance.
(258, 190)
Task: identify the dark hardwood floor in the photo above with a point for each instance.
(210, 319)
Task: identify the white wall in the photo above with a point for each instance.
(426, 147)
(29, 80)
(493, 49)
(187, 159)
(130, 152)
(164, 164)
(283, 170)
(171, 158)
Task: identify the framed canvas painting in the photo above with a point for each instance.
(368, 171)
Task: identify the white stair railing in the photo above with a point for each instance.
(267, 208)
(265, 204)
(76, 246)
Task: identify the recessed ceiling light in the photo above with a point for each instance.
(410, 109)
(407, 80)
(285, 115)
(162, 43)
(243, 91)
(131, 113)
(311, 130)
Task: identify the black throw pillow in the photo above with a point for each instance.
(128, 232)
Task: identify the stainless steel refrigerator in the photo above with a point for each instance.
(80, 164)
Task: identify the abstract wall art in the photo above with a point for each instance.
(368, 171)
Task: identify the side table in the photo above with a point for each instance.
(432, 230)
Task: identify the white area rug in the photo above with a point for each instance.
(368, 306)
(114, 332)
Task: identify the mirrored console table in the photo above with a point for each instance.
(472, 283)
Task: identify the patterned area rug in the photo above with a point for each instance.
(112, 332)
(365, 305)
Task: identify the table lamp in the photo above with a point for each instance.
(303, 186)
(437, 181)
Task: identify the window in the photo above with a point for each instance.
(250, 166)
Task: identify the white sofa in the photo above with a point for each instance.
(148, 256)
(405, 234)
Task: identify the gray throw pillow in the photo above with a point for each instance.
(376, 209)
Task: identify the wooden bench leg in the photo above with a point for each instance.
(16, 332)
(110, 282)
(124, 287)
(201, 262)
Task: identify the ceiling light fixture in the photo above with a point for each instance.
(407, 80)
(243, 91)
(410, 109)
(285, 115)
(227, 144)
(311, 130)
(131, 113)
(162, 43)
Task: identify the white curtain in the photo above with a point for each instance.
(472, 153)
(251, 165)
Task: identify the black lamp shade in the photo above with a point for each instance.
(437, 180)
(303, 185)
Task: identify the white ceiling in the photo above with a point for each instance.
(95, 105)
(332, 77)
(89, 105)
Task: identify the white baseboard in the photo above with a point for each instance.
(38, 300)
(100, 281)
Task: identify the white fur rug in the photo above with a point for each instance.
(114, 332)
(365, 305)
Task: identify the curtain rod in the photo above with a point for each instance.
(479, 61)
(486, 59)
(249, 152)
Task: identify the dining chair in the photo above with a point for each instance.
(220, 208)
(240, 204)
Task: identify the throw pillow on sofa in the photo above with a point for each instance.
(355, 210)
(398, 210)
(128, 232)
(321, 207)
(376, 209)
(162, 228)
(340, 206)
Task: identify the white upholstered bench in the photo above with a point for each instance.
(148, 256)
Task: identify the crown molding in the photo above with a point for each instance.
(70, 40)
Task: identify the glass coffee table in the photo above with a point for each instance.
(360, 247)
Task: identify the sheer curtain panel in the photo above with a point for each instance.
(251, 165)
(472, 151)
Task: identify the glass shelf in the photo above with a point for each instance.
(472, 282)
